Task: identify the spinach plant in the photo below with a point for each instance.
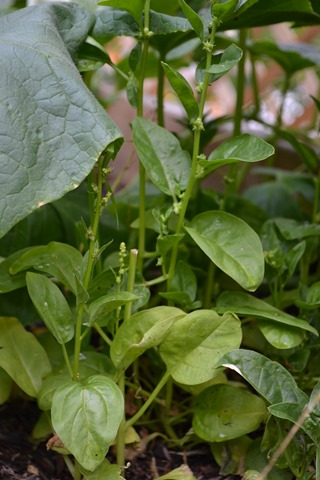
(150, 289)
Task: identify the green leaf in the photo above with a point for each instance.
(268, 378)
(162, 24)
(224, 10)
(8, 281)
(86, 416)
(22, 356)
(57, 259)
(281, 336)
(92, 57)
(224, 412)
(292, 230)
(271, 12)
(144, 330)
(113, 23)
(221, 64)
(243, 304)
(291, 57)
(166, 164)
(5, 386)
(231, 244)
(166, 243)
(183, 287)
(134, 7)
(51, 125)
(105, 471)
(196, 342)
(52, 306)
(106, 304)
(183, 90)
(181, 473)
(195, 20)
(245, 148)
(311, 297)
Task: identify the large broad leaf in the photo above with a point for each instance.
(269, 12)
(231, 244)
(52, 129)
(52, 306)
(22, 356)
(166, 164)
(196, 342)
(243, 304)
(224, 412)
(269, 378)
(86, 416)
(145, 329)
(245, 148)
(111, 23)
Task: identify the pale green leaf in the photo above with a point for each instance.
(106, 304)
(231, 244)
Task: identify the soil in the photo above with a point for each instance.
(22, 459)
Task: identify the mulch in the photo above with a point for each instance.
(23, 459)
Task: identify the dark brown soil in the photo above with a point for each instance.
(22, 459)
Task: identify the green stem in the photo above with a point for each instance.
(102, 334)
(142, 174)
(149, 401)
(120, 441)
(131, 277)
(315, 211)
(66, 359)
(232, 177)
(91, 259)
(195, 153)
(160, 90)
(255, 86)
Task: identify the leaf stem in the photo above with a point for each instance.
(131, 278)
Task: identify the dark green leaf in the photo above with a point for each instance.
(166, 164)
(5, 386)
(22, 356)
(224, 412)
(194, 19)
(134, 7)
(245, 148)
(231, 244)
(184, 92)
(224, 10)
(293, 230)
(243, 304)
(91, 57)
(164, 244)
(51, 305)
(112, 23)
(221, 64)
(53, 130)
(57, 259)
(86, 416)
(8, 281)
(162, 24)
(106, 304)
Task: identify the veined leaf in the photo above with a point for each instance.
(134, 7)
(231, 244)
(196, 342)
(52, 128)
(166, 164)
(86, 416)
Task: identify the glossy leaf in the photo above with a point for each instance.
(144, 330)
(166, 164)
(194, 19)
(106, 304)
(52, 306)
(245, 148)
(224, 412)
(243, 304)
(196, 342)
(8, 281)
(53, 129)
(281, 336)
(57, 259)
(231, 244)
(134, 7)
(183, 91)
(22, 356)
(268, 378)
(221, 64)
(86, 416)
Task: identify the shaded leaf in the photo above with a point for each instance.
(134, 7)
(106, 304)
(8, 281)
(221, 64)
(223, 412)
(112, 23)
(281, 336)
(22, 356)
(231, 244)
(194, 19)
